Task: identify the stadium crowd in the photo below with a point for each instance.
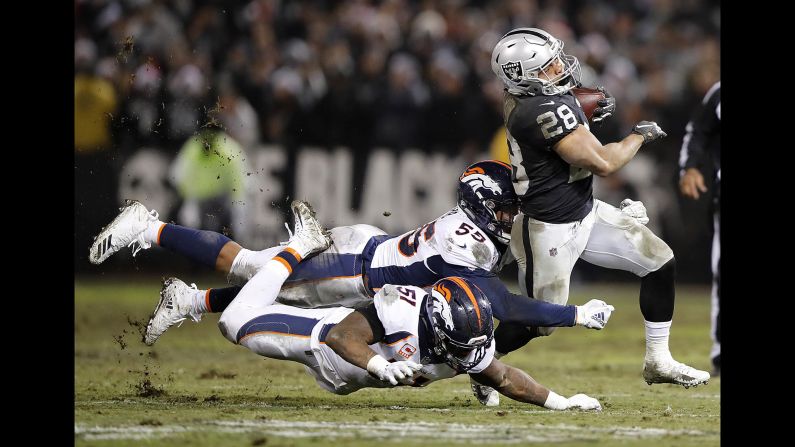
(392, 73)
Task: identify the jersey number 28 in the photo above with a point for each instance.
(548, 121)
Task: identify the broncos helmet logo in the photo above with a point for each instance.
(441, 307)
(478, 181)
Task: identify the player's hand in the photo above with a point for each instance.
(594, 314)
(401, 372)
(584, 402)
(649, 130)
(606, 107)
(394, 372)
(634, 209)
(691, 183)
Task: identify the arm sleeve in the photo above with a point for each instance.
(371, 315)
(698, 131)
(513, 308)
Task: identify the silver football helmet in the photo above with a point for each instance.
(520, 57)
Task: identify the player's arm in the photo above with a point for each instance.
(512, 308)
(582, 149)
(351, 337)
(518, 385)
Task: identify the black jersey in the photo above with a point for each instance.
(550, 189)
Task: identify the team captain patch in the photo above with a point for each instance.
(407, 351)
(513, 70)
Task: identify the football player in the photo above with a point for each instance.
(553, 156)
(466, 242)
(404, 336)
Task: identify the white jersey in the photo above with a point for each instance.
(432, 252)
(398, 309)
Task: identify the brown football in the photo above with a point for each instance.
(587, 98)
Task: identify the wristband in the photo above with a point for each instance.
(377, 364)
(556, 401)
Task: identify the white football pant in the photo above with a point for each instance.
(330, 278)
(605, 237)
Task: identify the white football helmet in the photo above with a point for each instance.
(520, 56)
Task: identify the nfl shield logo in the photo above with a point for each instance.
(513, 70)
(553, 251)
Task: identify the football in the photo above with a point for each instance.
(588, 98)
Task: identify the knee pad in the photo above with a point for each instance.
(654, 249)
(229, 327)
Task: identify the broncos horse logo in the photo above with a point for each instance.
(477, 180)
(441, 307)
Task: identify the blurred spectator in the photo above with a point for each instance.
(398, 115)
(95, 101)
(237, 117)
(95, 167)
(209, 174)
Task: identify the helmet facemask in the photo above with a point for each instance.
(570, 78)
(502, 215)
(455, 353)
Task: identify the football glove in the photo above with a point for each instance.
(594, 314)
(584, 402)
(649, 130)
(634, 209)
(606, 106)
(394, 372)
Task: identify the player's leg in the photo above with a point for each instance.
(618, 241)
(285, 333)
(548, 252)
(139, 228)
(332, 277)
(275, 331)
(715, 298)
(179, 302)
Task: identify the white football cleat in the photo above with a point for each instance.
(174, 307)
(308, 235)
(671, 371)
(486, 395)
(126, 230)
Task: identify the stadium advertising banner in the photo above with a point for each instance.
(398, 191)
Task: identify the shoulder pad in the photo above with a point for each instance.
(398, 307)
(462, 243)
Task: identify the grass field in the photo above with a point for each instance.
(195, 388)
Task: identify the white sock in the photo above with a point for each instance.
(247, 263)
(199, 302)
(153, 231)
(263, 288)
(298, 247)
(657, 340)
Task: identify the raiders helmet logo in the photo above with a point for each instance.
(513, 70)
